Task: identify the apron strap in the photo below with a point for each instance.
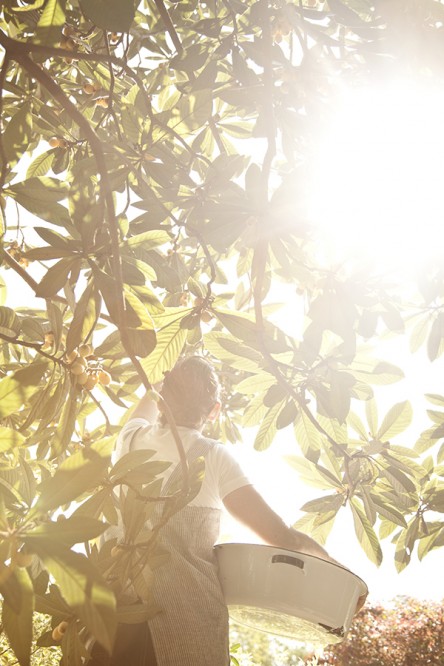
(197, 450)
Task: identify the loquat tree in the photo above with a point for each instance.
(154, 161)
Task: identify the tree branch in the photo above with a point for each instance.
(3, 156)
(37, 346)
(169, 25)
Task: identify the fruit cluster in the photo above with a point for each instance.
(86, 369)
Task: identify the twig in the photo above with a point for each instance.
(169, 25)
(208, 256)
(32, 345)
(99, 406)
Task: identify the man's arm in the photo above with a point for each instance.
(146, 409)
(249, 508)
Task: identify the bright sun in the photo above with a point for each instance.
(378, 180)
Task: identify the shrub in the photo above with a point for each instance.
(408, 632)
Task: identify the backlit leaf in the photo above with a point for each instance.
(18, 625)
(10, 438)
(365, 533)
(17, 134)
(16, 389)
(267, 429)
(113, 15)
(397, 419)
(56, 278)
(74, 529)
(78, 473)
(82, 587)
(51, 22)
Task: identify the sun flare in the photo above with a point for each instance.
(378, 176)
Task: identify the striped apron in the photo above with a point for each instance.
(192, 628)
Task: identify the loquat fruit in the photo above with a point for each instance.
(85, 350)
(104, 377)
(83, 378)
(78, 367)
(60, 630)
(71, 357)
(91, 381)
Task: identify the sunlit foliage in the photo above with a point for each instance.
(154, 165)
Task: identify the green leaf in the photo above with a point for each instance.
(66, 424)
(313, 474)
(308, 437)
(10, 439)
(287, 415)
(56, 277)
(400, 482)
(254, 412)
(324, 504)
(18, 134)
(224, 347)
(9, 322)
(51, 22)
(170, 342)
(112, 15)
(129, 461)
(365, 533)
(16, 389)
(245, 328)
(86, 313)
(74, 529)
(148, 240)
(390, 513)
(435, 341)
(256, 383)
(433, 540)
(397, 419)
(403, 552)
(371, 412)
(355, 422)
(82, 587)
(39, 195)
(18, 625)
(267, 429)
(41, 164)
(78, 473)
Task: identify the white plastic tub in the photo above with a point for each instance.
(288, 593)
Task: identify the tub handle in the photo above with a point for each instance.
(288, 559)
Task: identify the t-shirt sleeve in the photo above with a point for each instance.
(127, 435)
(229, 474)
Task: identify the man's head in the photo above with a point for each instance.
(192, 392)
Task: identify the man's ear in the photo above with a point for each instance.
(213, 415)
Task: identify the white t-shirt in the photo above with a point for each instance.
(223, 474)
